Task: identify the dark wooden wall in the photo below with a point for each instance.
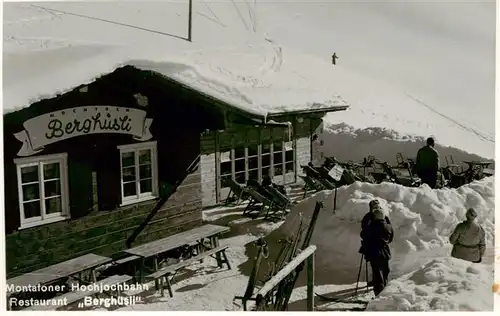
(179, 118)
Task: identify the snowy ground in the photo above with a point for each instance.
(423, 278)
(398, 99)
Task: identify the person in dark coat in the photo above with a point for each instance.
(377, 236)
(367, 219)
(374, 204)
(427, 163)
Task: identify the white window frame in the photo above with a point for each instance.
(246, 157)
(140, 197)
(39, 161)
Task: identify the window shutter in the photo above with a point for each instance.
(80, 188)
(109, 182)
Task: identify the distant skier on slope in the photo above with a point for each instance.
(468, 239)
(427, 163)
(377, 236)
(334, 58)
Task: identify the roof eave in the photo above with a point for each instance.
(310, 111)
(254, 116)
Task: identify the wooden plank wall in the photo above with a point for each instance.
(106, 230)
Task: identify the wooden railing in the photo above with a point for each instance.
(306, 254)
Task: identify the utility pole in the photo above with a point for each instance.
(190, 20)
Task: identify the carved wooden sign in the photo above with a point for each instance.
(60, 125)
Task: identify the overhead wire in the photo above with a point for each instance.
(110, 21)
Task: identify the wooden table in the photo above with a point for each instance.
(60, 270)
(479, 163)
(196, 235)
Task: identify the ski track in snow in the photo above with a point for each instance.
(277, 59)
(479, 134)
(241, 16)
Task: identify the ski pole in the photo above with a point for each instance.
(359, 274)
(366, 268)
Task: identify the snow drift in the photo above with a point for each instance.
(443, 284)
(422, 220)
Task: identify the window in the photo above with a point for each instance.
(278, 158)
(283, 160)
(225, 168)
(239, 165)
(249, 161)
(43, 189)
(139, 175)
(266, 160)
(253, 162)
(289, 159)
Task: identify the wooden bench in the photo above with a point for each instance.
(72, 297)
(125, 260)
(164, 274)
(62, 270)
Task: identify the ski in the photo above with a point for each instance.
(342, 298)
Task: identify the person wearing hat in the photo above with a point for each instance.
(377, 235)
(468, 239)
(427, 163)
(367, 219)
(374, 204)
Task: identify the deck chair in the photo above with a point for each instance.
(316, 175)
(379, 176)
(400, 160)
(310, 184)
(258, 204)
(325, 183)
(408, 181)
(488, 172)
(310, 171)
(281, 202)
(238, 191)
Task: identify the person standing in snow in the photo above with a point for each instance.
(367, 219)
(318, 158)
(334, 58)
(377, 236)
(427, 163)
(468, 239)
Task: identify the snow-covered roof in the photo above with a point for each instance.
(32, 76)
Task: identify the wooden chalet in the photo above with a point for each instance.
(132, 157)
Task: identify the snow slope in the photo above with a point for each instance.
(232, 53)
